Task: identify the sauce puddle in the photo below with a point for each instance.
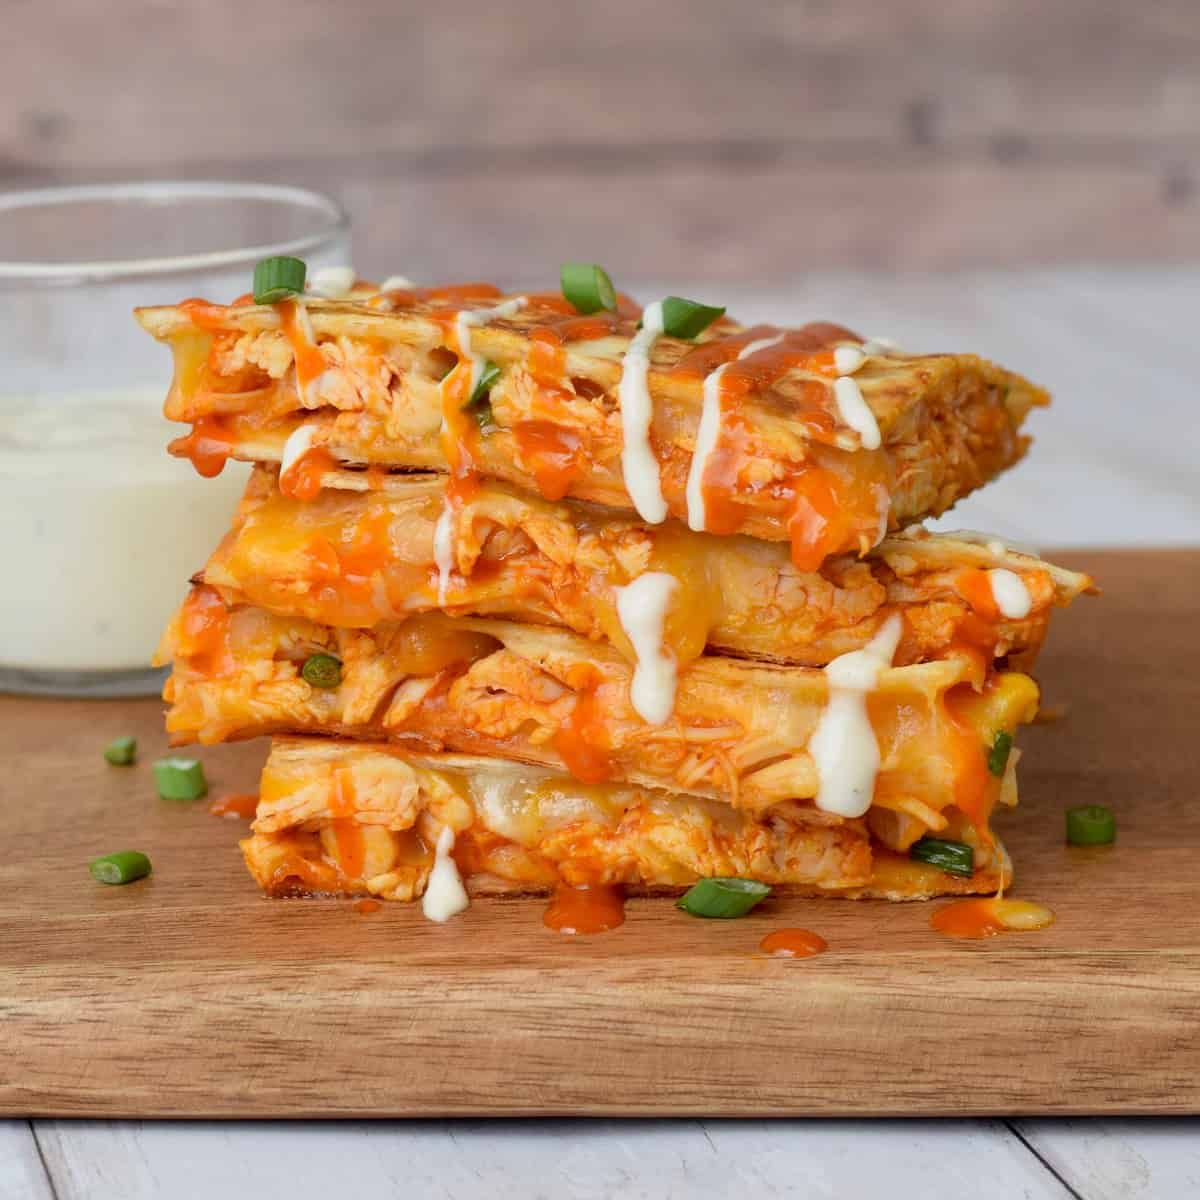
(367, 906)
(793, 943)
(240, 806)
(986, 917)
(585, 909)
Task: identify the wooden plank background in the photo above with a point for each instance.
(697, 139)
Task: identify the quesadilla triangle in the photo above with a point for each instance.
(346, 819)
(359, 559)
(907, 748)
(809, 436)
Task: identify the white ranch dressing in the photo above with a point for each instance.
(847, 359)
(642, 609)
(709, 433)
(1010, 594)
(443, 549)
(844, 748)
(445, 895)
(332, 283)
(396, 283)
(472, 318)
(880, 346)
(638, 464)
(853, 410)
(299, 443)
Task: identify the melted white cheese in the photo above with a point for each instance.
(709, 433)
(333, 283)
(444, 893)
(844, 748)
(1010, 594)
(853, 410)
(443, 549)
(298, 444)
(396, 283)
(638, 464)
(471, 318)
(642, 609)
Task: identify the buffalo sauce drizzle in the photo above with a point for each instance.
(975, 787)
(204, 633)
(793, 943)
(242, 805)
(366, 907)
(207, 447)
(987, 916)
(347, 833)
(303, 481)
(596, 908)
(582, 740)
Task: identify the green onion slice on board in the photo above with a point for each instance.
(955, 858)
(997, 758)
(587, 287)
(687, 318)
(123, 867)
(180, 779)
(278, 278)
(121, 752)
(1091, 825)
(322, 670)
(723, 898)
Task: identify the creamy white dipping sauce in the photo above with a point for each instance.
(1010, 593)
(844, 748)
(445, 895)
(638, 464)
(332, 283)
(642, 609)
(709, 433)
(101, 527)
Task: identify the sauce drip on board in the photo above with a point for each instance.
(367, 906)
(983, 917)
(239, 805)
(793, 943)
(594, 909)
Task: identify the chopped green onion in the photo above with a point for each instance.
(687, 318)
(723, 898)
(1091, 825)
(180, 779)
(587, 287)
(121, 752)
(484, 417)
(998, 755)
(483, 386)
(122, 867)
(322, 670)
(955, 858)
(278, 279)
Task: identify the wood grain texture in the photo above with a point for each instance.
(470, 140)
(189, 994)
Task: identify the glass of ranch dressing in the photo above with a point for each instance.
(100, 527)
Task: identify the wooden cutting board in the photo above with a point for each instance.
(188, 994)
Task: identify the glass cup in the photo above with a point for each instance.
(100, 527)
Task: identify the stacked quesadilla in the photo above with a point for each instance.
(549, 591)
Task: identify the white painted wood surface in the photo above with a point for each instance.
(1115, 463)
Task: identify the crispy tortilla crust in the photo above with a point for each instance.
(949, 422)
(523, 558)
(739, 730)
(361, 820)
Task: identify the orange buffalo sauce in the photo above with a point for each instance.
(550, 453)
(367, 906)
(984, 917)
(582, 740)
(974, 586)
(347, 833)
(594, 909)
(207, 447)
(310, 362)
(241, 805)
(816, 525)
(205, 315)
(204, 633)
(793, 943)
(975, 787)
(303, 480)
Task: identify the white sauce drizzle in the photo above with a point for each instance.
(333, 283)
(1010, 594)
(847, 359)
(852, 408)
(471, 318)
(443, 549)
(844, 748)
(444, 893)
(709, 433)
(642, 609)
(638, 464)
(396, 283)
(298, 444)
(880, 347)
